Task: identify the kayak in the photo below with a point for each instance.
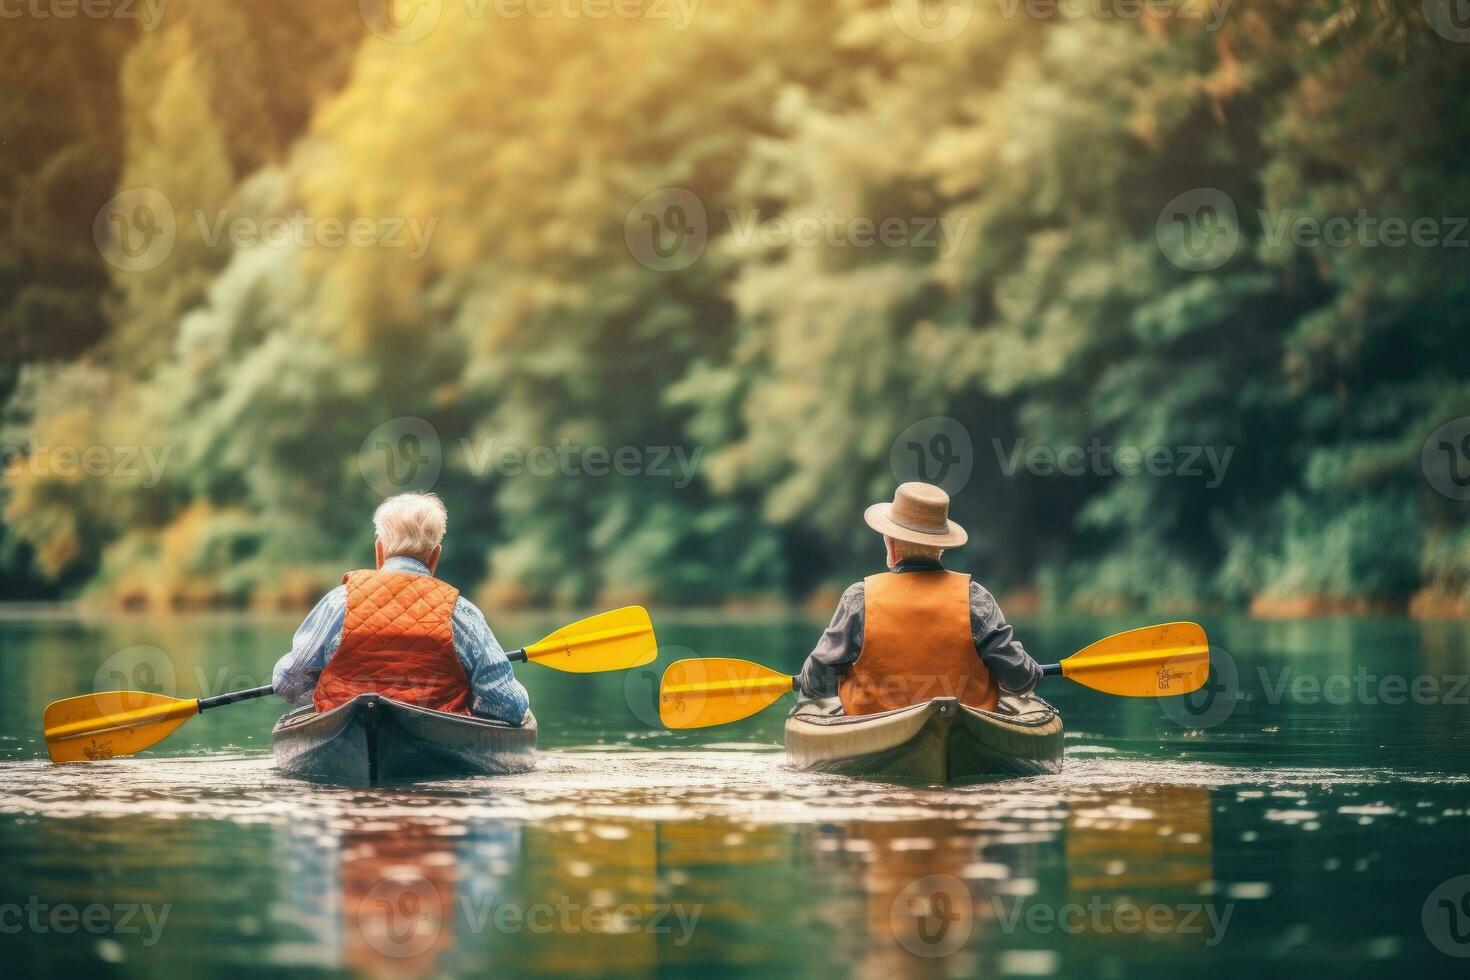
(938, 741)
(375, 739)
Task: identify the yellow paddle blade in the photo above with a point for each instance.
(716, 691)
(617, 640)
(100, 726)
(1152, 662)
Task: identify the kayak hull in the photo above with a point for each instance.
(374, 739)
(939, 741)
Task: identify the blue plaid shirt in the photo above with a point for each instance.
(495, 693)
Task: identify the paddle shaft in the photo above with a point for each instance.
(222, 699)
(259, 692)
(219, 700)
(1051, 670)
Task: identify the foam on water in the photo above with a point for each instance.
(751, 786)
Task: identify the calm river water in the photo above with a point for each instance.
(1306, 817)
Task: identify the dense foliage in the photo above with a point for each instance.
(512, 154)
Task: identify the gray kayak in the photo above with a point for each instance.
(375, 739)
(938, 741)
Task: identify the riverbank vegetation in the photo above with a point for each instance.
(1034, 291)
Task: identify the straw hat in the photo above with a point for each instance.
(919, 514)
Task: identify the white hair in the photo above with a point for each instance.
(410, 524)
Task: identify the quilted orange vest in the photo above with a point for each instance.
(397, 640)
(917, 645)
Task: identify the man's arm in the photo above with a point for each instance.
(1013, 668)
(495, 691)
(295, 675)
(838, 647)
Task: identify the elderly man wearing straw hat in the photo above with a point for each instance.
(917, 631)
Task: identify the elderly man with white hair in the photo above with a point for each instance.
(398, 631)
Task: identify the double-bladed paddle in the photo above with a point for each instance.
(112, 723)
(1152, 662)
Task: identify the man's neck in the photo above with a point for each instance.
(406, 563)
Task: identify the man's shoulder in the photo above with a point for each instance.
(981, 598)
(466, 611)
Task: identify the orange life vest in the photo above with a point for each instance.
(397, 640)
(917, 645)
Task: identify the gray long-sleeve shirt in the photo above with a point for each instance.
(995, 642)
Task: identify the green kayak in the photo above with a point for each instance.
(374, 739)
(939, 741)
